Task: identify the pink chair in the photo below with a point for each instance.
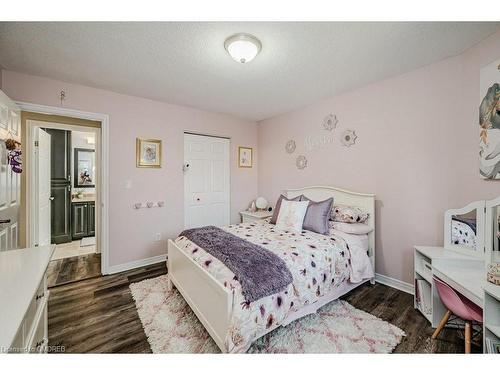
(461, 307)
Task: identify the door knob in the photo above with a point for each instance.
(51, 198)
(6, 221)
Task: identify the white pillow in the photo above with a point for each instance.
(291, 215)
(351, 228)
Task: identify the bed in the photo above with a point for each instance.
(322, 268)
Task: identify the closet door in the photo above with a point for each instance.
(206, 181)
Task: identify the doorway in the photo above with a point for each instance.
(206, 180)
(65, 172)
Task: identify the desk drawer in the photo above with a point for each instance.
(426, 267)
(38, 343)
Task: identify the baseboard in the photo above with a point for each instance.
(136, 264)
(395, 283)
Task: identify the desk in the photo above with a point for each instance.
(462, 272)
(467, 279)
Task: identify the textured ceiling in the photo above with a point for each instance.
(185, 63)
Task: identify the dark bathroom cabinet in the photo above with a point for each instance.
(83, 219)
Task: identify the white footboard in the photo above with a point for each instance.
(207, 297)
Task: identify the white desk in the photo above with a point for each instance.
(466, 278)
(462, 272)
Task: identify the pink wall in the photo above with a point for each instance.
(417, 151)
(132, 231)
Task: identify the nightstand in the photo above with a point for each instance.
(247, 216)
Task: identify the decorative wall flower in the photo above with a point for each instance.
(290, 146)
(301, 162)
(330, 122)
(348, 138)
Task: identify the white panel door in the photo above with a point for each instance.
(206, 181)
(10, 181)
(43, 187)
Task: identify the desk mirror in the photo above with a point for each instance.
(492, 233)
(464, 229)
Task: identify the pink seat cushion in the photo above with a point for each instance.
(458, 304)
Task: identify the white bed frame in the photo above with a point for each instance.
(213, 304)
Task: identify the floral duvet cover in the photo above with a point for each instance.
(318, 264)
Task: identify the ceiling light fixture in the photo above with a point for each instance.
(242, 47)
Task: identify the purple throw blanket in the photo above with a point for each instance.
(259, 271)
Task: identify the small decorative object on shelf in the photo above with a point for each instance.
(330, 122)
(290, 146)
(494, 273)
(252, 207)
(348, 138)
(301, 162)
(261, 203)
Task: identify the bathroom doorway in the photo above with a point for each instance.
(66, 166)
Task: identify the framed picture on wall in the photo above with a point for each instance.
(245, 157)
(148, 153)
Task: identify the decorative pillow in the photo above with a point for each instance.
(354, 228)
(291, 216)
(276, 212)
(318, 215)
(348, 214)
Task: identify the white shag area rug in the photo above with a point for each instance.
(338, 327)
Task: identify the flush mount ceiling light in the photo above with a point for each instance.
(242, 47)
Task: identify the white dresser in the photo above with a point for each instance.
(23, 300)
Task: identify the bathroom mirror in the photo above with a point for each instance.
(464, 229)
(84, 168)
(492, 232)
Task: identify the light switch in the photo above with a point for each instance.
(128, 184)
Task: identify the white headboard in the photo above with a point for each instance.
(341, 196)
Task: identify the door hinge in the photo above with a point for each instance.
(36, 143)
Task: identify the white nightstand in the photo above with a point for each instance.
(247, 216)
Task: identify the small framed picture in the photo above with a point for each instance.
(245, 157)
(148, 153)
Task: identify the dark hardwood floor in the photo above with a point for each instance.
(68, 270)
(396, 307)
(98, 315)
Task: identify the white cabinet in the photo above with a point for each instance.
(247, 216)
(23, 300)
(32, 335)
(491, 317)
